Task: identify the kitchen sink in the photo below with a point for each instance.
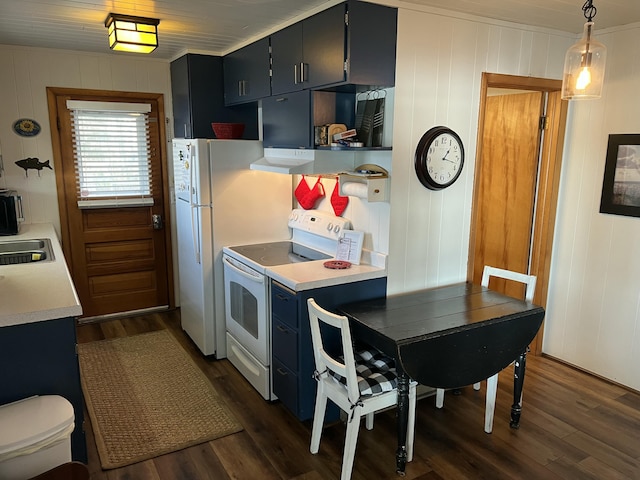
(25, 251)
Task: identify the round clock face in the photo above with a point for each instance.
(439, 158)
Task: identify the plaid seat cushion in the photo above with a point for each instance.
(366, 354)
(374, 373)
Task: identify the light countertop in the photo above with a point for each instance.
(38, 291)
(310, 275)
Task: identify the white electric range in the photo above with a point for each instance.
(298, 264)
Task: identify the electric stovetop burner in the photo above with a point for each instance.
(279, 253)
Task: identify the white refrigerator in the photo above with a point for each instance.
(220, 202)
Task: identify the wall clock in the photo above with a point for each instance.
(439, 158)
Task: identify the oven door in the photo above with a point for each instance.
(246, 308)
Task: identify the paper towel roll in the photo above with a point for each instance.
(353, 189)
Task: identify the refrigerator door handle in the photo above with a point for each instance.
(195, 234)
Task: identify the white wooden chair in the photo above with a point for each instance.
(492, 382)
(359, 387)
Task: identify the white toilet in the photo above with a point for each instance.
(35, 436)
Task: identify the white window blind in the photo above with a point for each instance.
(111, 147)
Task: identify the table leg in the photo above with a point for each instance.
(402, 413)
(518, 384)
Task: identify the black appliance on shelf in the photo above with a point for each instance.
(10, 212)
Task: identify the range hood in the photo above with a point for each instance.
(285, 160)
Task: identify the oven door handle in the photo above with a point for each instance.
(259, 278)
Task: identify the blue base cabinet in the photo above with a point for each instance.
(41, 358)
(292, 352)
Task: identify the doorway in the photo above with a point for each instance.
(118, 253)
(519, 155)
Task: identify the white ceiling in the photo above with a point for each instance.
(220, 26)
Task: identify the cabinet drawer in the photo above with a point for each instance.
(285, 386)
(284, 305)
(285, 344)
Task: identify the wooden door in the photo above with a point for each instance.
(517, 180)
(118, 261)
(507, 186)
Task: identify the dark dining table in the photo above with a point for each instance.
(447, 337)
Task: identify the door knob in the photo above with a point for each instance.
(156, 220)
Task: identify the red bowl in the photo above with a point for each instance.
(228, 130)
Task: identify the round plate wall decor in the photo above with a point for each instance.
(25, 127)
(439, 158)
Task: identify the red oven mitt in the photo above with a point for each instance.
(310, 199)
(302, 190)
(338, 202)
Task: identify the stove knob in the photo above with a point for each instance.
(329, 226)
(336, 228)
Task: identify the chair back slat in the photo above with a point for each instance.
(528, 280)
(323, 359)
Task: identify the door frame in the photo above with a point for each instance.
(52, 94)
(548, 184)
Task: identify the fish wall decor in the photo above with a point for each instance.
(32, 163)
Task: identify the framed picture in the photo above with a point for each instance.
(621, 184)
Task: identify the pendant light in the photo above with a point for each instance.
(584, 63)
(132, 34)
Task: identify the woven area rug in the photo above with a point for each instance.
(146, 397)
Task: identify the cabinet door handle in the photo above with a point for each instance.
(295, 74)
(282, 329)
(284, 298)
(304, 72)
(282, 372)
(281, 99)
(242, 88)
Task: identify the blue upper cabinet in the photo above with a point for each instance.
(246, 73)
(310, 53)
(353, 43)
(287, 61)
(371, 44)
(347, 46)
(198, 99)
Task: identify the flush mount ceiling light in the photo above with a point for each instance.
(584, 63)
(132, 34)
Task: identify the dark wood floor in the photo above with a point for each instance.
(574, 426)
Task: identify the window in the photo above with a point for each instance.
(111, 147)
